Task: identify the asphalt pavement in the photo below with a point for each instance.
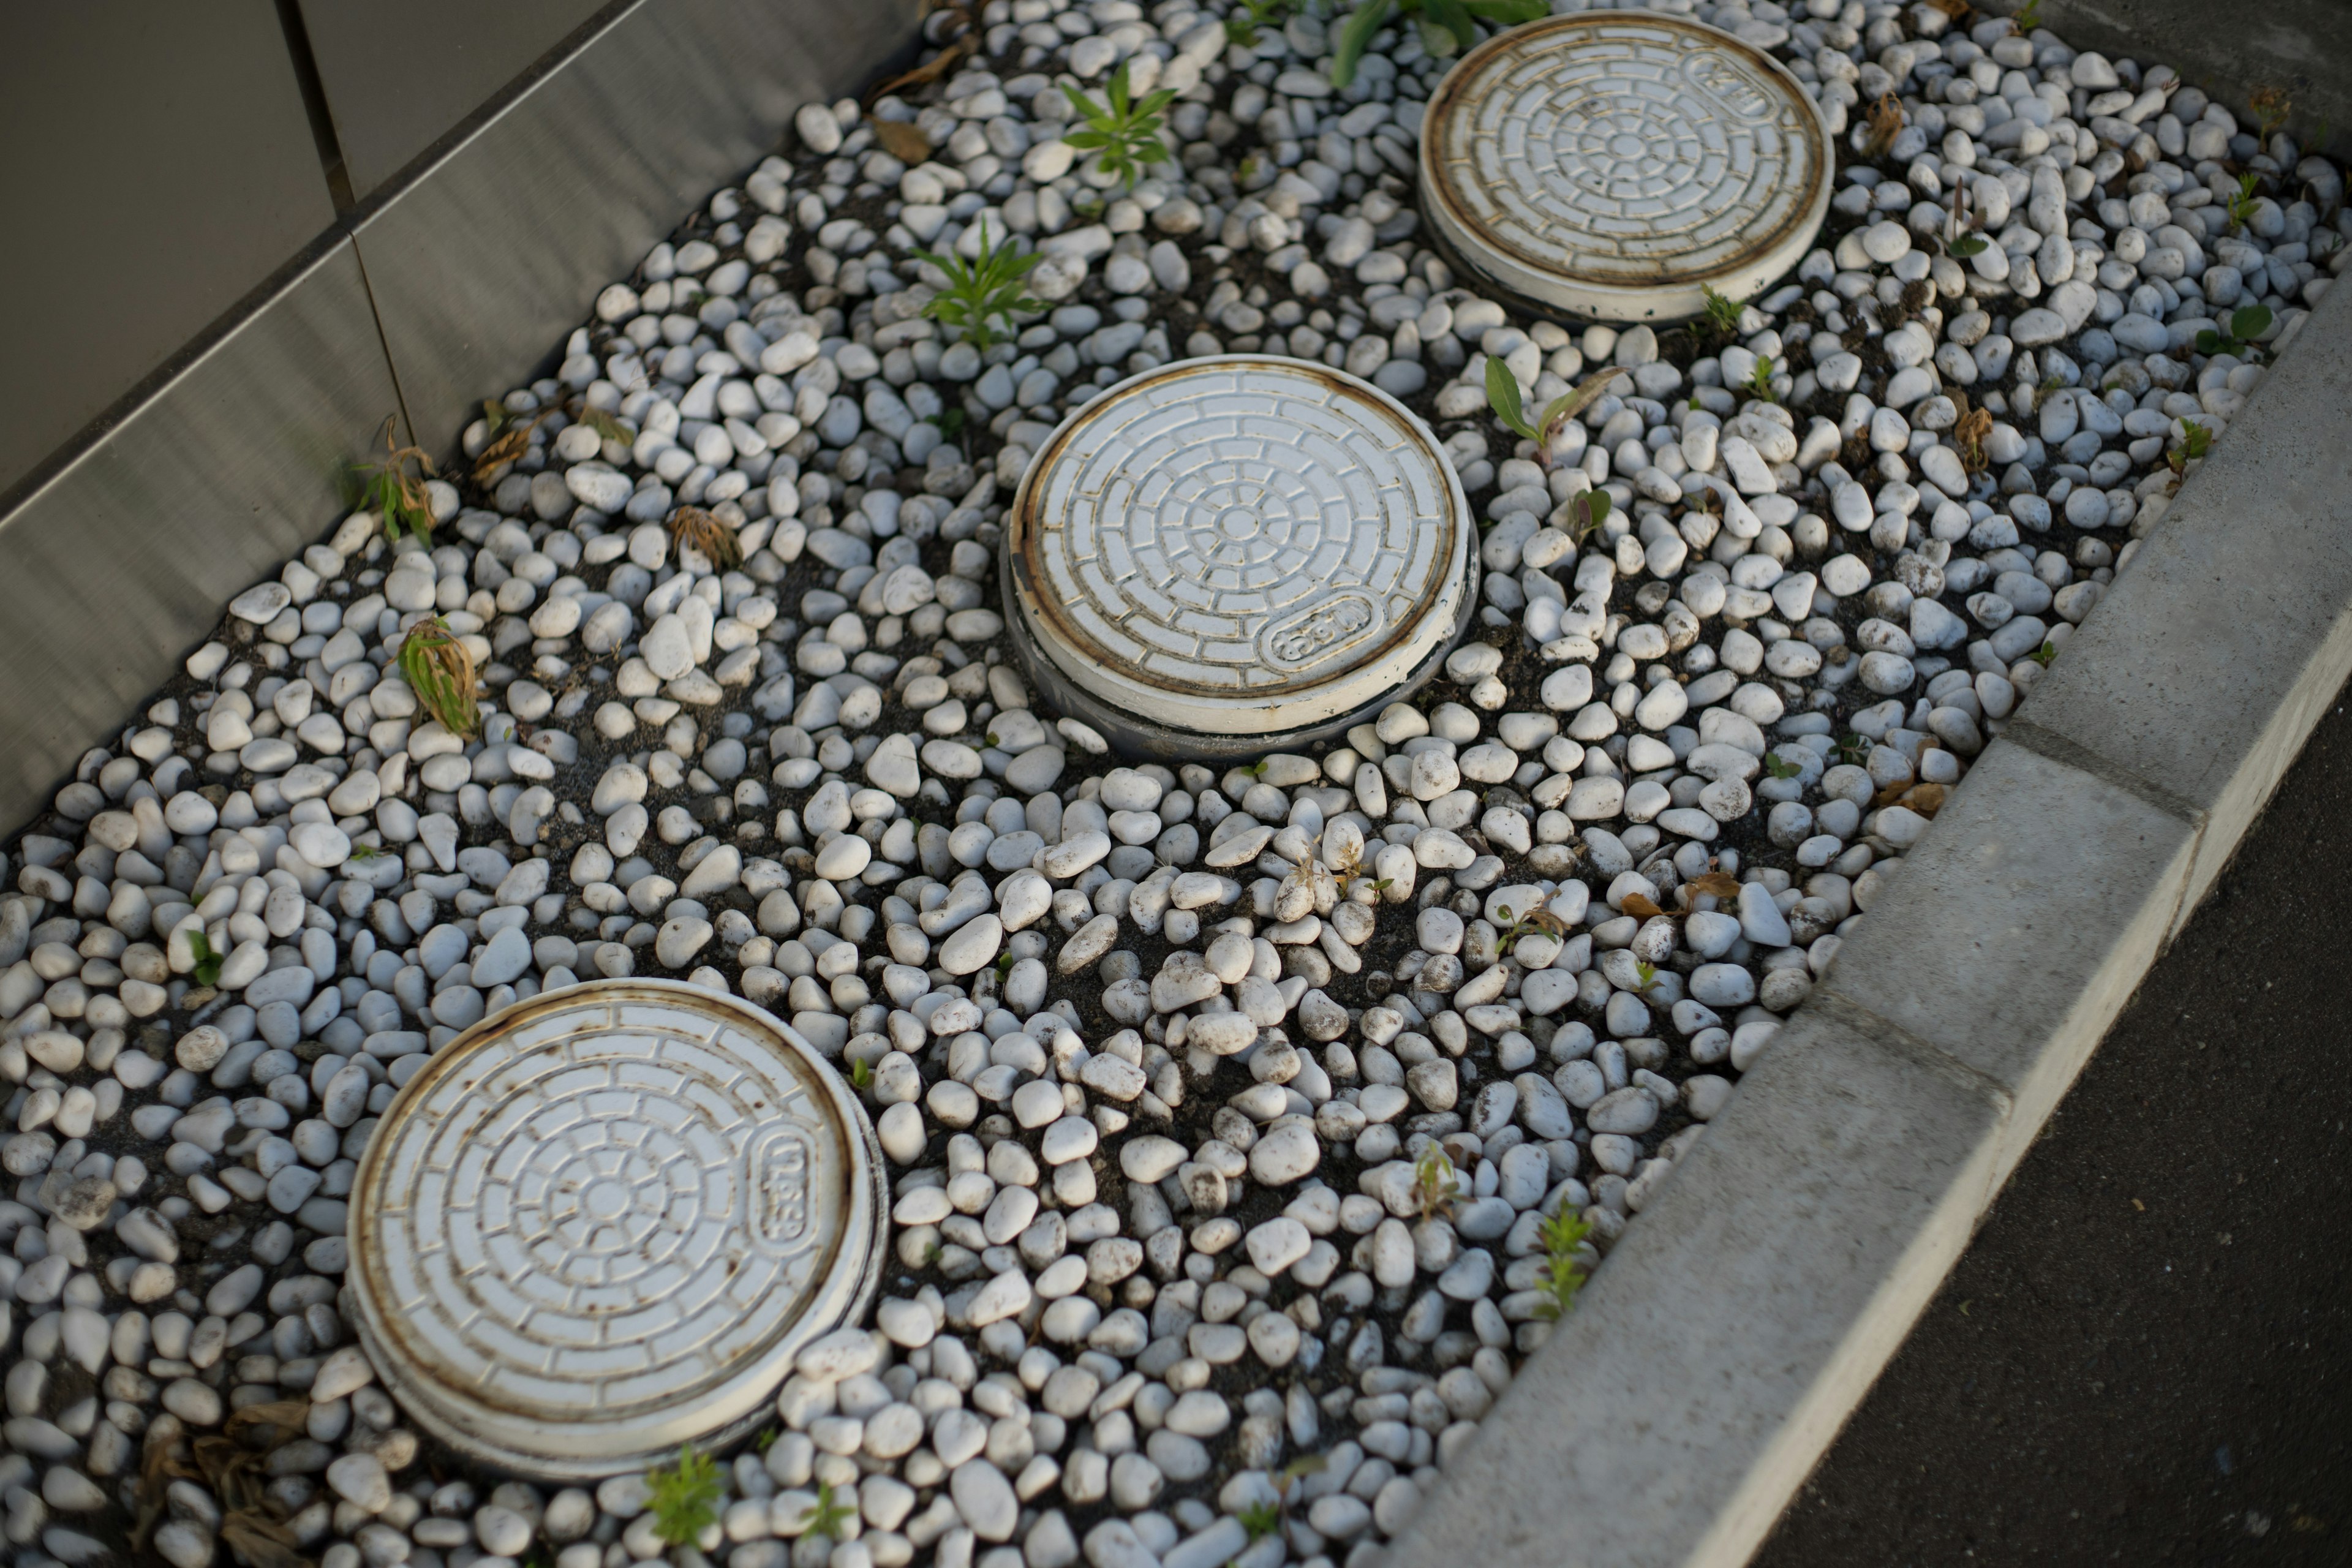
(2146, 1354)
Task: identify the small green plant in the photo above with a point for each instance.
(2044, 654)
(2195, 440)
(438, 667)
(1503, 396)
(1434, 1184)
(2247, 322)
(2026, 18)
(2271, 107)
(1967, 245)
(1260, 1519)
(1587, 510)
(389, 488)
(209, 963)
(861, 1073)
(1446, 26)
(829, 1514)
(1125, 132)
(1854, 749)
(1760, 380)
(1241, 27)
(1563, 1272)
(363, 853)
(1645, 977)
(1722, 313)
(2242, 203)
(980, 293)
(685, 1497)
(767, 1439)
(1529, 924)
(951, 424)
(1780, 767)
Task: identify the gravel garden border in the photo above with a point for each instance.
(1709, 1367)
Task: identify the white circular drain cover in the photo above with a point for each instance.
(599, 1224)
(1617, 164)
(1230, 551)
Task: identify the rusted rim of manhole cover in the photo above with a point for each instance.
(1617, 164)
(599, 1224)
(1236, 552)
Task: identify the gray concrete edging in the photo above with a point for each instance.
(1728, 1336)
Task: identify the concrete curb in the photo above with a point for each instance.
(1714, 1358)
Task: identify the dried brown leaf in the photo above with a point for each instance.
(902, 139)
(1885, 123)
(692, 525)
(930, 71)
(1715, 885)
(261, 1540)
(286, 1414)
(1926, 799)
(1640, 908)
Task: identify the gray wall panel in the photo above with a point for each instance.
(117, 565)
(479, 268)
(160, 167)
(399, 78)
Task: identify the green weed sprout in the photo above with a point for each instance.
(389, 489)
(1241, 27)
(1586, 512)
(2195, 440)
(1780, 767)
(2242, 203)
(1125, 132)
(829, 1514)
(209, 963)
(1260, 1519)
(1434, 1185)
(1446, 26)
(980, 292)
(439, 670)
(1760, 380)
(1563, 1273)
(1503, 396)
(685, 1497)
(2247, 322)
(1722, 312)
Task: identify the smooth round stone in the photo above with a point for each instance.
(1618, 166)
(1293, 551)
(602, 1225)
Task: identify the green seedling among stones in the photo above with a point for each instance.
(1241, 27)
(1780, 767)
(1564, 1272)
(1645, 976)
(1527, 925)
(2195, 440)
(1446, 26)
(1587, 511)
(830, 1513)
(1760, 380)
(438, 667)
(1125, 132)
(2243, 201)
(2026, 18)
(391, 489)
(1503, 396)
(2247, 322)
(981, 292)
(861, 1073)
(685, 1497)
(209, 963)
(1434, 1183)
(1722, 313)
(2044, 654)
(1260, 1519)
(1854, 749)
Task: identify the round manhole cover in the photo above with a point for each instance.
(1235, 552)
(1617, 165)
(599, 1224)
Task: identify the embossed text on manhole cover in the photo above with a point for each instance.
(1616, 165)
(1242, 547)
(599, 1224)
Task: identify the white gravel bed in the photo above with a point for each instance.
(1225, 1109)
